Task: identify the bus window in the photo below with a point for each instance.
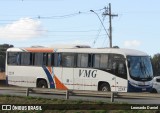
(79, 60)
(104, 61)
(68, 60)
(82, 60)
(50, 61)
(100, 61)
(45, 59)
(90, 64)
(121, 69)
(13, 58)
(117, 65)
(96, 61)
(57, 59)
(38, 59)
(25, 58)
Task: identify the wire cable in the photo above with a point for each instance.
(98, 34)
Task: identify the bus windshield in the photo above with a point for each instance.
(140, 68)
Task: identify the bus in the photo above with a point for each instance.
(80, 68)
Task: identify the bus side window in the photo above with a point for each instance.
(96, 60)
(100, 61)
(45, 59)
(13, 58)
(90, 63)
(32, 58)
(110, 62)
(117, 65)
(50, 61)
(68, 59)
(78, 60)
(122, 69)
(38, 61)
(25, 59)
(57, 60)
(114, 67)
(104, 61)
(82, 60)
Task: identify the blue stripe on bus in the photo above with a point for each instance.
(49, 76)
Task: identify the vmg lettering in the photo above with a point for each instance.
(88, 73)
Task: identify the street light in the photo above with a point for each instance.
(102, 24)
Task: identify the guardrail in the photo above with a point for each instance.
(69, 93)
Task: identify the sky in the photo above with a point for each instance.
(25, 23)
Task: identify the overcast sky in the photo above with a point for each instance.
(25, 23)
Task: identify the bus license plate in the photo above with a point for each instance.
(143, 89)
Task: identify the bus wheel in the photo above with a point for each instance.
(105, 87)
(42, 84)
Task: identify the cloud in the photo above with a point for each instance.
(132, 43)
(24, 28)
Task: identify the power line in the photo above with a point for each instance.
(69, 37)
(98, 34)
(91, 30)
(66, 15)
(56, 17)
(62, 36)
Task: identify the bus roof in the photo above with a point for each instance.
(82, 50)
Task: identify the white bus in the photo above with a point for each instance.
(105, 69)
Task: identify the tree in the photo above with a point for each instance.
(156, 64)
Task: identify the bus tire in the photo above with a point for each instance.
(42, 84)
(105, 87)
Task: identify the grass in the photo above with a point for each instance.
(23, 101)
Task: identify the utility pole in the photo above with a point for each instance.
(109, 13)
